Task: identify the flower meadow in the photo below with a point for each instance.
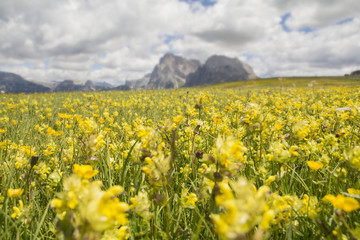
(214, 163)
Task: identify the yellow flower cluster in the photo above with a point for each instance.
(90, 207)
(347, 204)
(85, 171)
(243, 208)
(228, 154)
(188, 200)
(140, 204)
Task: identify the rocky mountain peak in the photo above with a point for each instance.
(216, 61)
(218, 69)
(89, 86)
(171, 72)
(167, 57)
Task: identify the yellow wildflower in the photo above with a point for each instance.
(123, 233)
(309, 206)
(227, 108)
(101, 120)
(103, 209)
(293, 151)
(72, 201)
(65, 116)
(226, 193)
(85, 171)
(231, 211)
(94, 210)
(243, 207)
(353, 191)
(278, 126)
(267, 219)
(48, 152)
(14, 193)
(18, 210)
(178, 119)
(217, 120)
(141, 205)
(348, 204)
(50, 131)
(188, 201)
(192, 199)
(221, 226)
(315, 165)
(56, 203)
(270, 180)
(229, 152)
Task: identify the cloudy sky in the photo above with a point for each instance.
(117, 40)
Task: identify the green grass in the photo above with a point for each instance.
(289, 82)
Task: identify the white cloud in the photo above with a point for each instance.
(318, 13)
(121, 40)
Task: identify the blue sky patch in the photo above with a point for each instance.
(306, 29)
(27, 64)
(47, 63)
(96, 66)
(102, 55)
(250, 57)
(345, 21)
(169, 38)
(205, 3)
(283, 22)
(14, 65)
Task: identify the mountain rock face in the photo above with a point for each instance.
(70, 86)
(175, 71)
(88, 86)
(355, 73)
(139, 83)
(67, 86)
(13, 83)
(171, 72)
(102, 85)
(219, 69)
(122, 88)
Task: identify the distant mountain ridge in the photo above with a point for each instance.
(171, 72)
(70, 86)
(13, 83)
(355, 73)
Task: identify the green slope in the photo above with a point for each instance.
(290, 82)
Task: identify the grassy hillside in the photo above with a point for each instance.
(290, 82)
